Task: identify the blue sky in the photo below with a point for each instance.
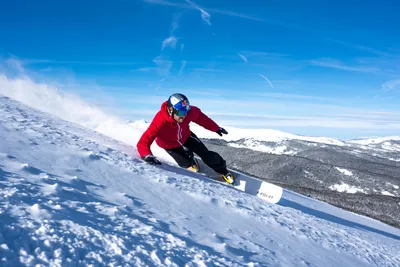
(327, 68)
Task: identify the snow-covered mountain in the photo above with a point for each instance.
(373, 168)
(369, 141)
(273, 141)
(71, 196)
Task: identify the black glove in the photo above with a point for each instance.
(150, 159)
(221, 131)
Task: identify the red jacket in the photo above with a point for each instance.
(170, 134)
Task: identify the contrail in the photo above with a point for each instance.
(204, 15)
(242, 57)
(265, 78)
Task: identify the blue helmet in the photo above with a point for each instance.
(178, 104)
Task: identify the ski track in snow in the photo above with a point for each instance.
(70, 196)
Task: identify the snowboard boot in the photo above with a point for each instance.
(228, 177)
(194, 167)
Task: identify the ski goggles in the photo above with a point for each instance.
(182, 112)
(182, 108)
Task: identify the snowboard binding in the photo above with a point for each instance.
(195, 166)
(228, 177)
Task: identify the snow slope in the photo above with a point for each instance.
(70, 196)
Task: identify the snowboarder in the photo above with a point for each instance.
(170, 129)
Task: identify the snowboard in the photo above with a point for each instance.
(243, 182)
(251, 185)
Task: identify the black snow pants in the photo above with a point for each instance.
(183, 155)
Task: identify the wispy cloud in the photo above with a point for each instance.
(263, 54)
(175, 24)
(52, 61)
(169, 42)
(287, 105)
(206, 17)
(189, 6)
(335, 64)
(265, 78)
(391, 85)
(291, 96)
(207, 70)
(183, 65)
(166, 3)
(280, 23)
(255, 57)
(360, 47)
(242, 57)
(163, 65)
(234, 14)
(145, 69)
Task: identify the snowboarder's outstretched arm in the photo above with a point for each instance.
(203, 120)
